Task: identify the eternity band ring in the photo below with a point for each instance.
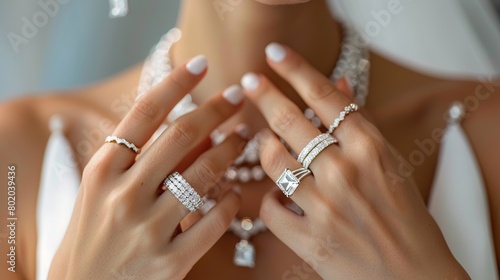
(183, 191)
(289, 180)
(315, 146)
(347, 110)
(317, 150)
(310, 146)
(121, 141)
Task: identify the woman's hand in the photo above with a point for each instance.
(122, 226)
(357, 223)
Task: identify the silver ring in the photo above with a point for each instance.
(347, 110)
(121, 141)
(313, 146)
(183, 191)
(310, 146)
(317, 150)
(289, 180)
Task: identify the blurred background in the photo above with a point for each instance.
(79, 44)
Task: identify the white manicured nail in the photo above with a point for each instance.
(243, 130)
(275, 52)
(197, 65)
(237, 190)
(233, 94)
(217, 137)
(349, 85)
(250, 81)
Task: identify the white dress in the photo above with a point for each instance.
(458, 200)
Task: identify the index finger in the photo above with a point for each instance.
(316, 89)
(150, 109)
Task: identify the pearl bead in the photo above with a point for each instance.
(244, 175)
(258, 173)
(231, 174)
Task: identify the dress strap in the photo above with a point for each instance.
(59, 182)
(56, 124)
(459, 201)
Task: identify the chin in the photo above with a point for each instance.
(282, 2)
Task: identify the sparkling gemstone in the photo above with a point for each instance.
(456, 112)
(246, 224)
(287, 182)
(244, 254)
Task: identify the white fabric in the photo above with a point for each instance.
(448, 38)
(459, 204)
(59, 184)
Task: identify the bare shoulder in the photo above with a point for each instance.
(23, 135)
(16, 116)
(21, 127)
(22, 131)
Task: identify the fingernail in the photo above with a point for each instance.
(233, 94)
(197, 65)
(349, 84)
(275, 52)
(237, 190)
(243, 130)
(217, 137)
(250, 81)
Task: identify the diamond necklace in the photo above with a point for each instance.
(353, 64)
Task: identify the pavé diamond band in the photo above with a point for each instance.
(183, 191)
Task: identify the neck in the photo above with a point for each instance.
(234, 41)
(234, 37)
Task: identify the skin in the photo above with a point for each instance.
(128, 202)
(421, 101)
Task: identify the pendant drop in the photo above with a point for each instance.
(118, 8)
(244, 254)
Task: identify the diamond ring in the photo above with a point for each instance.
(314, 148)
(183, 191)
(289, 180)
(347, 110)
(121, 141)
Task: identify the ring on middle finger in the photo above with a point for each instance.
(314, 148)
(183, 191)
